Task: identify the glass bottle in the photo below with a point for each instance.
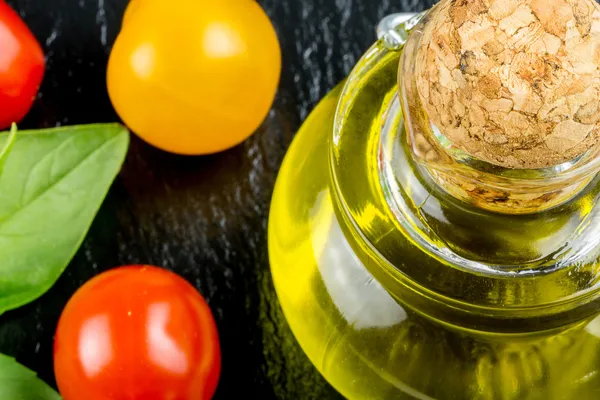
(409, 269)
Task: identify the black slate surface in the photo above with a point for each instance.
(204, 217)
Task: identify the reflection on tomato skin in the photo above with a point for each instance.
(137, 333)
(95, 349)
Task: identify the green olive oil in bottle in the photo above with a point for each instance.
(411, 267)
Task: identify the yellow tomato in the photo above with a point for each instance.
(194, 76)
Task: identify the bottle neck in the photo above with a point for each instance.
(454, 259)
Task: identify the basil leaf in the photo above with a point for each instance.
(20, 383)
(8, 145)
(51, 188)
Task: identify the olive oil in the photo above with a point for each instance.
(359, 290)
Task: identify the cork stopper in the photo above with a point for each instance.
(513, 82)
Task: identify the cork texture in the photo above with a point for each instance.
(513, 82)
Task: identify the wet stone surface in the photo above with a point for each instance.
(203, 217)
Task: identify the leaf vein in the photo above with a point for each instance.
(57, 181)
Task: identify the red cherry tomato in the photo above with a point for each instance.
(21, 67)
(137, 333)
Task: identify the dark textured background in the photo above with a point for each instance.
(204, 217)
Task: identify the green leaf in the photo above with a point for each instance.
(8, 145)
(20, 383)
(51, 188)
